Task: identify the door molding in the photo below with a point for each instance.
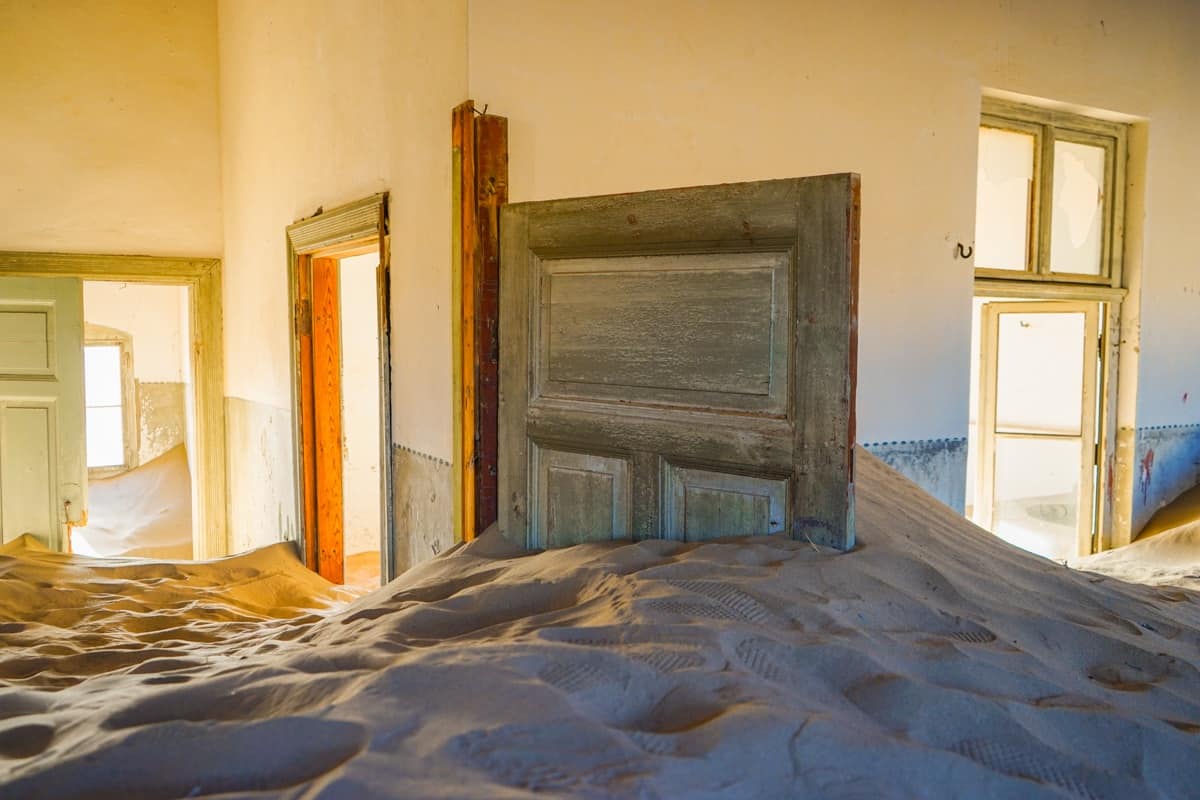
(351, 229)
(203, 276)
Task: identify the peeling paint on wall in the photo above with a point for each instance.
(261, 481)
(423, 508)
(1168, 459)
(162, 418)
(939, 466)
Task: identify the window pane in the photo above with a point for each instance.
(1037, 494)
(1078, 220)
(1002, 198)
(1039, 379)
(102, 374)
(105, 437)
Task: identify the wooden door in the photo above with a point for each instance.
(1037, 423)
(680, 364)
(43, 463)
(318, 325)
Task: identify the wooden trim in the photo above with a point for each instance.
(1046, 290)
(383, 313)
(466, 238)
(306, 486)
(353, 222)
(203, 277)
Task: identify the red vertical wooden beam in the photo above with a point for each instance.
(491, 177)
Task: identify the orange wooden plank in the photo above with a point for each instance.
(463, 140)
(308, 443)
(327, 407)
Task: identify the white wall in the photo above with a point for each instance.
(323, 103)
(109, 142)
(360, 404)
(151, 314)
(609, 96)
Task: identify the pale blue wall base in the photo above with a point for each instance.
(1168, 463)
(939, 466)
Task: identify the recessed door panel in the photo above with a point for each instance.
(703, 505)
(580, 498)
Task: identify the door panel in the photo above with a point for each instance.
(702, 504)
(1038, 424)
(712, 327)
(580, 497)
(43, 464)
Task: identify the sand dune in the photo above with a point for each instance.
(933, 661)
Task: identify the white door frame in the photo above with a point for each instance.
(203, 277)
(1089, 483)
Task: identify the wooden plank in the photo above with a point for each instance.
(463, 138)
(826, 309)
(491, 178)
(327, 417)
(308, 435)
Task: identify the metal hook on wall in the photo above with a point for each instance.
(965, 252)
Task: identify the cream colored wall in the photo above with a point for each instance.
(609, 96)
(322, 103)
(151, 315)
(109, 141)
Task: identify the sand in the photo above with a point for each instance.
(145, 512)
(933, 661)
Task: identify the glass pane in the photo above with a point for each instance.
(1039, 380)
(1037, 494)
(102, 374)
(1002, 198)
(1077, 222)
(105, 437)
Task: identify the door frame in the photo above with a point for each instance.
(351, 229)
(203, 277)
(1089, 479)
(1115, 477)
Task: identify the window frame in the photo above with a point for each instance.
(1049, 126)
(102, 336)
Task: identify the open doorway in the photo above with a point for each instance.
(342, 395)
(140, 421)
(1035, 424)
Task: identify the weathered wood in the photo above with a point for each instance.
(327, 414)
(491, 178)
(706, 333)
(306, 445)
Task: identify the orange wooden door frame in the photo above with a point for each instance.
(321, 410)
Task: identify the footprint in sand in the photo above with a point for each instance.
(737, 602)
(25, 739)
(554, 756)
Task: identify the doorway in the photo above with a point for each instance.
(339, 277)
(139, 409)
(1036, 429)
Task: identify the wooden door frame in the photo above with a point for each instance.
(480, 187)
(1090, 483)
(352, 229)
(203, 277)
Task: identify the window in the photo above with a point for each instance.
(1050, 195)
(107, 376)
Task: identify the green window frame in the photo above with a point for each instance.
(1048, 127)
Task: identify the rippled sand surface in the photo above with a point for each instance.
(933, 661)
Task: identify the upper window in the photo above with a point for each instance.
(1049, 196)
